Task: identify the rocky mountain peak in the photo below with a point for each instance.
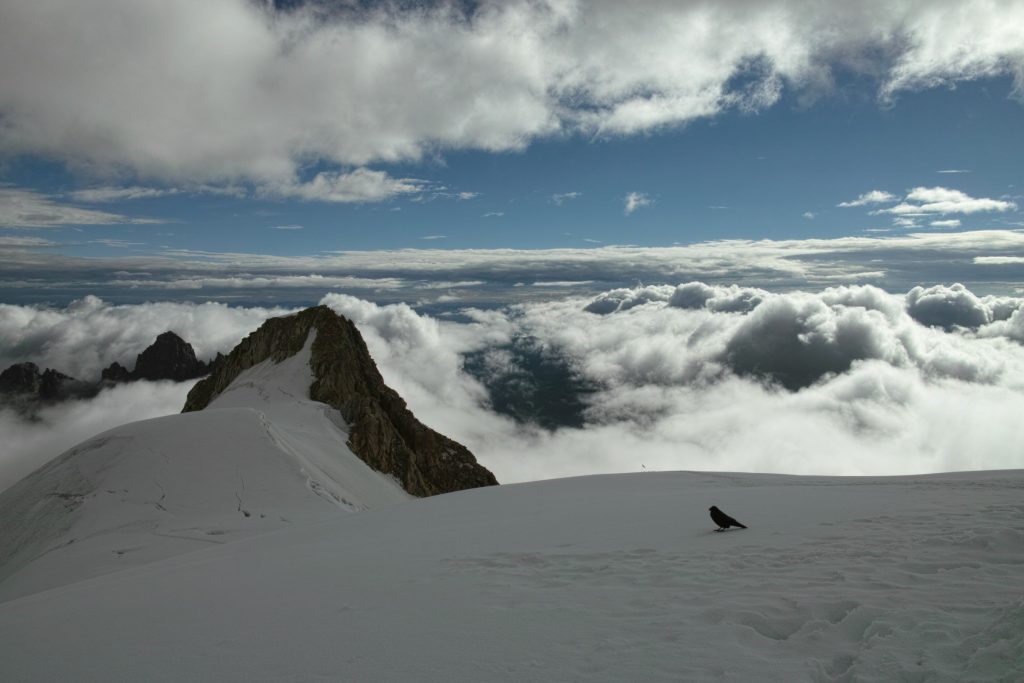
(20, 378)
(169, 357)
(26, 388)
(383, 432)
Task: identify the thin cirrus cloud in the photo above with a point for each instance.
(634, 201)
(23, 242)
(97, 195)
(897, 261)
(560, 198)
(872, 197)
(110, 193)
(359, 185)
(30, 210)
(262, 90)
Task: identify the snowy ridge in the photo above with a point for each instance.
(263, 458)
(609, 578)
(312, 433)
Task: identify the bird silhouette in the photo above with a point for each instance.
(723, 520)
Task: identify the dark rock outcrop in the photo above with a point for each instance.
(115, 374)
(20, 378)
(24, 387)
(169, 357)
(56, 386)
(382, 430)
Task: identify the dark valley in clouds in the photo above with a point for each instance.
(840, 380)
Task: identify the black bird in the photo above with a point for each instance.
(723, 520)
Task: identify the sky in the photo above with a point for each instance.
(147, 142)
(478, 166)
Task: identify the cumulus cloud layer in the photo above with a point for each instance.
(256, 93)
(88, 335)
(841, 380)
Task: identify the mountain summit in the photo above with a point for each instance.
(169, 357)
(383, 432)
(294, 426)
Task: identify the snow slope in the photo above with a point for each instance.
(260, 458)
(609, 578)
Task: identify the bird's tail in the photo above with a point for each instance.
(742, 526)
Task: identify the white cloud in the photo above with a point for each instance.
(677, 377)
(359, 185)
(809, 215)
(897, 261)
(563, 283)
(922, 201)
(950, 223)
(636, 200)
(998, 260)
(954, 170)
(680, 388)
(27, 209)
(493, 214)
(88, 335)
(117, 194)
(434, 237)
(562, 197)
(115, 243)
(287, 227)
(254, 94)
(313, 280)
(12, 242)
(872, 197)
(947, 307)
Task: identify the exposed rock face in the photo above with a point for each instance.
(382, 430)
(169, 357)
(26, 388)
(20, 378)
(116, 373)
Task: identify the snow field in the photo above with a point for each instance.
(608, 578)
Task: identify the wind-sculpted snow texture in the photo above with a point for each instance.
(610, 578)
(382, 431)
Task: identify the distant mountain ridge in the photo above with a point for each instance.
(27, 387)
(383, 432)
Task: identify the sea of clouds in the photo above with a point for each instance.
(845, 380)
